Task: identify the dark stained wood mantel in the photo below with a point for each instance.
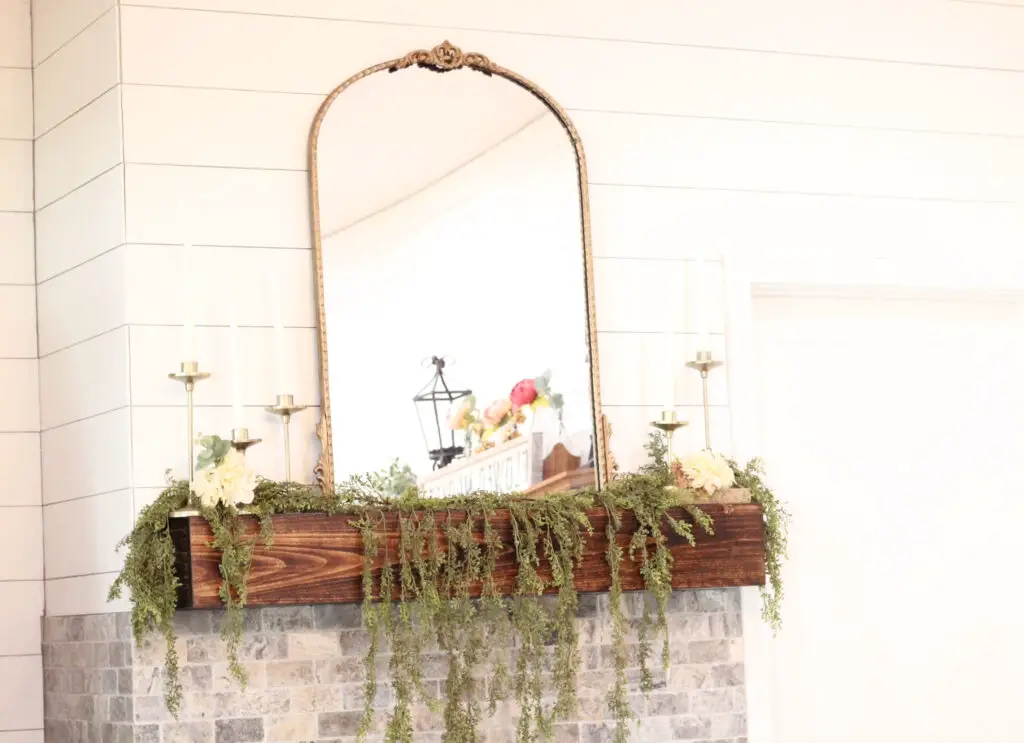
(318, 559)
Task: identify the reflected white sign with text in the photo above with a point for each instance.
(512, 467)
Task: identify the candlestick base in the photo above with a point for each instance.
(284, 407)
(669, 423)
(240, 439)
(704, 363)
(188, 373)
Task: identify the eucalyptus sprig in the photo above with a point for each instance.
(213, 449)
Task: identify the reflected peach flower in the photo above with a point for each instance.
(462, 416)
(497, 411)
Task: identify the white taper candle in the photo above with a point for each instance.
(237, 411)
(188, 335)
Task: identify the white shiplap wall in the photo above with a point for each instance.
(83, 338)
(21, 529)
(849, 130)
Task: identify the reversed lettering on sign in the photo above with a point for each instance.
(508, 468)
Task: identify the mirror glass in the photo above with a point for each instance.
(454, 286)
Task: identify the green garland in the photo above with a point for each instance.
(776, 530)
(433, 586)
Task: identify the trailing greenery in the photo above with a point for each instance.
(776, 529)
(442, 556)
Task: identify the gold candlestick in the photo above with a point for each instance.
(284, 408)
(240, 439)
(669, 423)
(704, 364)
(189, 374)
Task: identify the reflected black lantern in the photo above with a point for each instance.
(433, 405)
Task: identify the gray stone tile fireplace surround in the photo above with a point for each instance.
(305, 674)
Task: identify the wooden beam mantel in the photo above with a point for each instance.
(318, 559)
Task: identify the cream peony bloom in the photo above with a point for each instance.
(707, 471)
(207, 486)
(237, 481)
(230, 482)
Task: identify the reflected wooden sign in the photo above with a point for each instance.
(512, 467)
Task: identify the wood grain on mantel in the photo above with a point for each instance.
(318, 559)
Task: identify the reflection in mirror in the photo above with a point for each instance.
(454, 286)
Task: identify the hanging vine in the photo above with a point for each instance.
(437, 554)
(776, 531)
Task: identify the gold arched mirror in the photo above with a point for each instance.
(454, 282)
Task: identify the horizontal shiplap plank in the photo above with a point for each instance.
(19, 461)
(18, 310)
(181, 126)
(160, 441)
(145, 497)
(19, 621)
(635, 370)
(21, 544)
(673, 300)
(15, 34)
(16, 251)
(81, 534)
(87, 457)
(202, 127)
(85, 146)
(15, 176)
(667, 152)
(155, 352)
(57, 22)
(639, 222)
(21, 700)
(79, 73)
(905, 30)
(82, 303)
(756, 156)
(82, 225)
(619, 282)
(22, 736)
(99, 365)
(991, 273)
(19, 395)
(217, 206)
(15, 104)
(647, 79)
(86, 594)
(156, 276)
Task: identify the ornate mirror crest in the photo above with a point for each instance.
(446, 58)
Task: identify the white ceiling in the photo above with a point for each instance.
(393, 134)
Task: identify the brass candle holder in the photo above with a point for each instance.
(284, 408)
(188, 374)
(240, 439)
(704, 364)
(669, 423)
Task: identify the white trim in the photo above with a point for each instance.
(741, 374)
(748, 277)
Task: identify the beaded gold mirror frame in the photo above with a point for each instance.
(445, 58)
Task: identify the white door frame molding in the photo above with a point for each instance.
(749, 277)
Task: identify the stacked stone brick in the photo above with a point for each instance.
(305, 679)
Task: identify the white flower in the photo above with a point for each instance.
(237, 481)
(707, 471)
(207, 486)
(230, 482)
